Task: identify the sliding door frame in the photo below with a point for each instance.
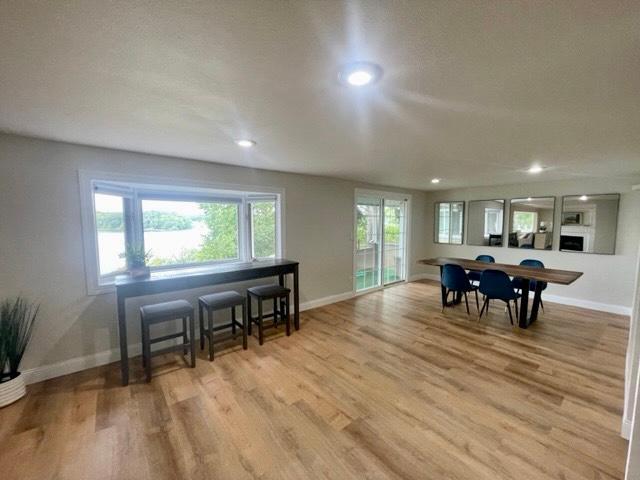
(407, 236)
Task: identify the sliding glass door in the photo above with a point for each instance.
(380, 240)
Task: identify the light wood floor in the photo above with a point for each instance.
(382, 386)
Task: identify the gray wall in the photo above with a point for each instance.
(41, 238)
(607, 279)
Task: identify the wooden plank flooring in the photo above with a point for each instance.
(381, 386)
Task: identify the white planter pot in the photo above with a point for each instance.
(12, 390)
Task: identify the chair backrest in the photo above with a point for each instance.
(485, 259)
(496, 284)
(455, 278)
(530, 262)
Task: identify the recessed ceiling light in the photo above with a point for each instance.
(535, 169)
(359, 74)
(584, 198)
(528, 199)
(435, 180)
(245, 143)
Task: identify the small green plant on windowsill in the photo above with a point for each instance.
(17, 318)
(137, 260)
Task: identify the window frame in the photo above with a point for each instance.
(494, 210)
(534, 222)
(139, 187)
(436, 222)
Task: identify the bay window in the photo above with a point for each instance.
(177, 227)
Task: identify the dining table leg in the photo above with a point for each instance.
(122, 334)
(536, 303)
(523, 321)
(296, 298)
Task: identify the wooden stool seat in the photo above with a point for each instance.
(269, 292)
(164, 312)
(220, 301)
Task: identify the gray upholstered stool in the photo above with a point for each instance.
(164, 312)
(219, 301)
(268, 292)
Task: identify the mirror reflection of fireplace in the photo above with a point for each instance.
(571, 242)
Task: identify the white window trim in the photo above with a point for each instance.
(87, 178)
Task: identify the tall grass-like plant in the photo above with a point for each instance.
(17, 318)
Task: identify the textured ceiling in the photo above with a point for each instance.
(472, 92)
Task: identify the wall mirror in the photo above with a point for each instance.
(449, 221)
(485, 224)
(531, 224)
(589, 223)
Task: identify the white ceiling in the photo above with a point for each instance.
(473, 92)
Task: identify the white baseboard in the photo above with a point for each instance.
(625, 429)
(321, 302)
(577, 302)
(73, 365)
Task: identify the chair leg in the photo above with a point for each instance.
(484, 306)
(201, 317)
(249, 314)
(233, 321)
(541, 305)
(245, 326)
(477, 304)
(192, 344)
(260, 324)
(185, 337)
(509, 309)
(210, 332)
(147, 353)
(466, 302)
(515, 302)
(287, 317)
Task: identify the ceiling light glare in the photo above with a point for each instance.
(584, 198)
(245, 143)
(435, 180)
(535, 169)
(359, 74)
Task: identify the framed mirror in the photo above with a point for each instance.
(531, 222)
(448, 222)
(485, 226)
(589, 223)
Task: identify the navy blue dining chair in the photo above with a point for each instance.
(517, 281)
(455, 279)
(474, 276)
(496, 285)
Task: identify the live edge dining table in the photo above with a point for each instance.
(197, 277)
(527, 274)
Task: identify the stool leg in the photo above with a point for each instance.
(185, 337)
(210, 333)
(244, 326)
(201, 318)
(260, 326)
(287, 316)
(147, 353)
(233, 321)
(275, 312)
(192, 344)
(249, 314)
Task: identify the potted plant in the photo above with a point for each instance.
(17, 317)
(137, 260)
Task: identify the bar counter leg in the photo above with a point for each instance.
(296, 298)
(122, 334)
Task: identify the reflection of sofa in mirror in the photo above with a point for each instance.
(531, 223)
